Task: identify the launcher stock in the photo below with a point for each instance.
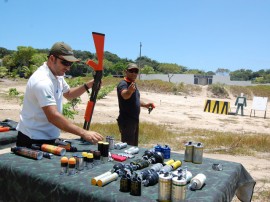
(98, 68)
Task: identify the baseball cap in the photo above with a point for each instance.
(63, 49)
(132, 66)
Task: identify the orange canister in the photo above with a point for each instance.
(53, 149)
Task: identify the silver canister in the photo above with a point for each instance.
(166, 168)
(178, 189)
(189, 151)
(197, 153)
(110, 140)
(157, 167)
(121, 145)
(80, 162)
(111, 143)
(132, 150)
(164, 187)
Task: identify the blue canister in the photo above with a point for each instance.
(158, 148)
(166, 150)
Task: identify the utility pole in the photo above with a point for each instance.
(140, 60)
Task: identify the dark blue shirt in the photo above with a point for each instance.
(130, 108)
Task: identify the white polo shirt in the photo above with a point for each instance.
(43, 89)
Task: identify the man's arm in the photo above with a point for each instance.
(127, 93)
(63, 123)
(77, 91)
(146, 105)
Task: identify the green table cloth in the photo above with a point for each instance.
(25, 179)
(8, 137)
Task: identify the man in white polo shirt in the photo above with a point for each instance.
(41, 117)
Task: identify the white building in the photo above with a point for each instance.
(194, 79)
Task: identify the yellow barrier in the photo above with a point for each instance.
(215, 106)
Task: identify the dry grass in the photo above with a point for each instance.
(215, 142)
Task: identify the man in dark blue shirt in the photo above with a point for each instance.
(129, 106)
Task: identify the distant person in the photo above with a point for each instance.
(129, 106)
(41, 117)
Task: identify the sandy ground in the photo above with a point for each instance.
(178, 112)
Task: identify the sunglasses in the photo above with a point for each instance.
(136, 71)
(64, 62)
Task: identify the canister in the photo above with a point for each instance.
(166, 150)
(164, 187)
(121, 145)
(158, 148)
(189, 151)
(197, 156)
(178, 189)
(80, 162)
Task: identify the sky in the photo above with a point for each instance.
(197, 34)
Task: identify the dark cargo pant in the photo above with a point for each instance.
(129, 130)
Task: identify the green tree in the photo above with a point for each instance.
(24, 72)
(167, 68)
(210, 73)
(111, 57)
(83, 55)
(4, 52)
(9, 63)
(222, 72)
(147, 70)
(24, 55)
(3, 71)
(119, 67)
(108, 67)
(241, 75)
(194, 71)
(142, 61)
(38, 59)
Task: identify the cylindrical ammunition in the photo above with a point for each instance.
(178, 189)
(164, 187)
(53, 149)
(166, 150)
(135, 187)
(97, 157)
(169, 162)
(188, 151)
(95, 179)
(176, 164)
(22, 151)
(105, 152)
(64, 165)
(197, 182)
(197, 156)
(121, 145)
(156, 167)
(107, 179)
(84, 154)
(90, 160)
(125, 184)
(166, 168)
(111, 143)
(80, 164)
(71, 166)
(100, 146)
